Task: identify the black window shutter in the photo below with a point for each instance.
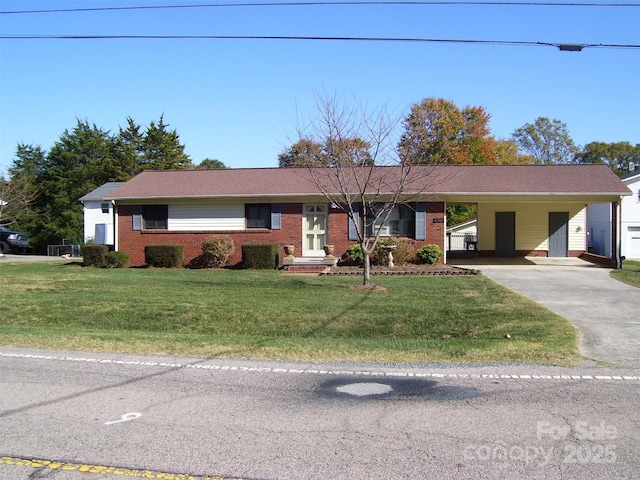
(421, 221)
(276, 217)
(353, 230)
(137, 217)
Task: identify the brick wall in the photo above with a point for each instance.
(133, 242)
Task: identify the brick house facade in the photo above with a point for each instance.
(521, 209)
(133, 241)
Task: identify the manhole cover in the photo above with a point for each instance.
(365, 388)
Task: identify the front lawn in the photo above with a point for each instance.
(265, 314)
(630, 273)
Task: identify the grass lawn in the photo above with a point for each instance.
(265, 314)
(630, 273)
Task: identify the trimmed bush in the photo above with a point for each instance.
(429, 254)
(117, 260)
(95, 255)
(216, 251)
(164, 256)
(261, 256)
(402, 254)
(354, 255)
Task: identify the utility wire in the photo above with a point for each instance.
(331, 3)
(561, 46)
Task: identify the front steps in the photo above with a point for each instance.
(309, 265)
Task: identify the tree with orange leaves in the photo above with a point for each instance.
(437, 131)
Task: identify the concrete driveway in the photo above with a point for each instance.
(12, 258)
(605, 311)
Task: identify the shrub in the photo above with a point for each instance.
(216, 251)
(429, 254)
(402, 254)
(354, 255)
(117, 260)
(164, 256)
(261, 256)
(95, 255)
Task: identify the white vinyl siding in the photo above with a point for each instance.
(206, 217)
(631, 204)
(94, 215)
(532, 224)
(630, 220)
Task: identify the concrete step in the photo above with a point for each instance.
(308, 268)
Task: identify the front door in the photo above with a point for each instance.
(505, 234)
(558, 238)
(314, 230)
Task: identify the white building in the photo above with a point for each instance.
(600, 218)
(99, 215)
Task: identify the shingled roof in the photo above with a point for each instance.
(99, 193)
(441, 180)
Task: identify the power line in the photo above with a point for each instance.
(560, 46)
(331, 3)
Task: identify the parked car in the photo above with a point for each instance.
(11, 241)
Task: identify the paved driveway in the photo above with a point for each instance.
(605, 311)
(12, 258)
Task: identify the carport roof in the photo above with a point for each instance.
(440, 180)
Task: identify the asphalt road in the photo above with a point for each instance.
(122, 416)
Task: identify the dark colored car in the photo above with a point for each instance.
(11, 241)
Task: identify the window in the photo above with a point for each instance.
(401, 223)
(155, 217)
(258, 215)
(104, 207)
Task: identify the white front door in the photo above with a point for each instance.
(314, 230)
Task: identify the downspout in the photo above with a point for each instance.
(618, 234)
(115, 225)
(447, 238)
(616, 244)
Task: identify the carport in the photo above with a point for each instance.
(542, 212)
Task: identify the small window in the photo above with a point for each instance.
(104, 207)
(155, 217)
(258, 215)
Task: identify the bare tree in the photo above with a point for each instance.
(364, 173)
(16, 196)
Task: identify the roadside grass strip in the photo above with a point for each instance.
(103, 470)
(312, 371)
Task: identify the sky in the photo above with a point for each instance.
(240, 100)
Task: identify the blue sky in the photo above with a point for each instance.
(237, 100)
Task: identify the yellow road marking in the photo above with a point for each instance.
(101, 469)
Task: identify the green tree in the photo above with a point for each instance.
(329, 152)
(129, 148)
(304, 153)
(437, 131)
(161, 149)
(79, 162)
(546, 141)
(457, 214)
(210, 164)
(19, 195)
(618, 156)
